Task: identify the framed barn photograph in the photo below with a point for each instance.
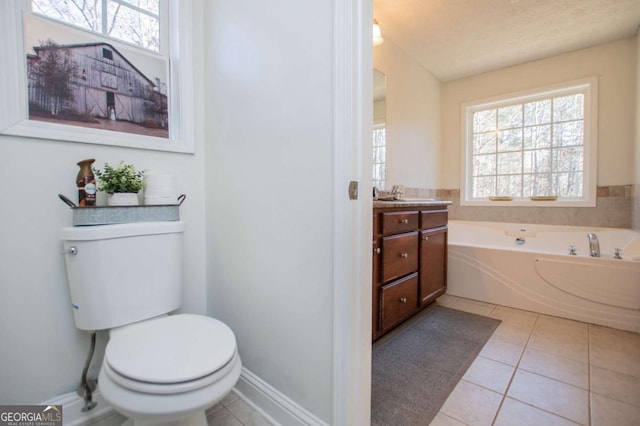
(99, 72)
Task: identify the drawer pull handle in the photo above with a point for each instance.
(404, 255)
(403, 221)
(376, 250)
(403, 300)
(425, 238)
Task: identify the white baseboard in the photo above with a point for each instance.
(72, 404)
(278, 408)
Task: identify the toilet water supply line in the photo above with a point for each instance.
(87, 386)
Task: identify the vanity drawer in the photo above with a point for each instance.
(398, 300)
(433, 218)
(396, 222)
(399, 255)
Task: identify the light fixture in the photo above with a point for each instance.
(377, 34)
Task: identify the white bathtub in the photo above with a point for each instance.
(486, 263)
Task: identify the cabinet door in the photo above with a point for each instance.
(433, 264)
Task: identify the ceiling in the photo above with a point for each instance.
(460, 38)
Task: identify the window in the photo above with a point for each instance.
(133, 21)
(107, 54)
(379, 157)
(534, 146)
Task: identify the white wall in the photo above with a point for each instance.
(613, 63)
(41, 352)
(413, 118)
(269, 107)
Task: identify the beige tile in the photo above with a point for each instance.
(561, 337)
(517, 317)
(502, 351)
(577, 351)
(608, 412)
(114, 419)
(247, 415)
(614, 385)
(555, 327)
(229, 398)
(550, 395)
(444, 420)
(223, 417)
(513, 334)
(515, 412)
(615, 350)
(562, 369)
(490, 374)
(473, 306)
(472, 404)
(447, 300)
(216, 407)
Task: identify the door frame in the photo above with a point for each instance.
(353, 124)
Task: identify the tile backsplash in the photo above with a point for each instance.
(616, 207)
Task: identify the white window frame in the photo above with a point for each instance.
(589, 88)
(14, 118)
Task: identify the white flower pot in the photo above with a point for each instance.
(123, 199)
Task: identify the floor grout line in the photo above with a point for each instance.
(584, 385)
(515, 370)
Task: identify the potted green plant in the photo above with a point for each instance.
(122, 183)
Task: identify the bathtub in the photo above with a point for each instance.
(529, 267)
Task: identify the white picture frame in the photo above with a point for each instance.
(14, 119)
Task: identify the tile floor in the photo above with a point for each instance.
(235, 411)
(231, 411)
(542, 370)
(535, 370)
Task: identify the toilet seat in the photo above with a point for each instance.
(171, 354)
(170, 389)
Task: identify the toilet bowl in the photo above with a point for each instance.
(158, 369)
(168, 370)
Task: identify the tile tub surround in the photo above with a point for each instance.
(541, 370)
(616, 207)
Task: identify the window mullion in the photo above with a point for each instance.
(522, 151)
(136, 8)
(551, 150)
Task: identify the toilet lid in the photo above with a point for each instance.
(171, 349)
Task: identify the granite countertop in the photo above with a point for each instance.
(411, 202)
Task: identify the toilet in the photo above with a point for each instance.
(157, 368)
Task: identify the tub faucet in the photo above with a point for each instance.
(594, 245)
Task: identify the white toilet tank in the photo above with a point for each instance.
(123, 273)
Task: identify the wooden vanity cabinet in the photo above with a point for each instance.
(409, 262)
